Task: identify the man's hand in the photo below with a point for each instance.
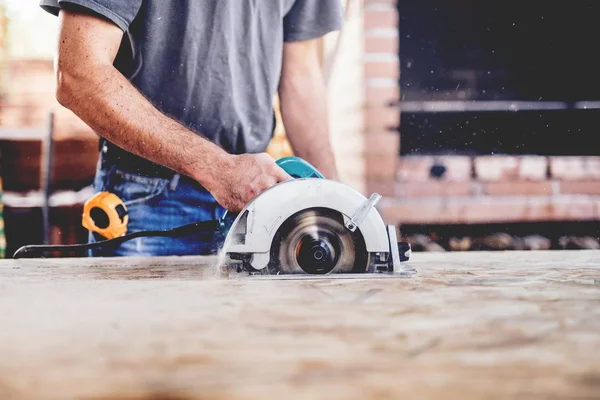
(304, 107)
(247, 176)
(90, 86)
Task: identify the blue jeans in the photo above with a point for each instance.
(159, 204)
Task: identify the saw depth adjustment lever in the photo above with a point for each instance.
(400, 251)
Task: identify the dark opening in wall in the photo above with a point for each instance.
(520, 77)
(560, 132)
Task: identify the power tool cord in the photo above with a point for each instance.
(198, 227)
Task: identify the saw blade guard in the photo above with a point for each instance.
(254, 229)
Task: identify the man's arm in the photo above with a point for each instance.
(89, 85)
(304, 106)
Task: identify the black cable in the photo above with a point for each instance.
(198, 227)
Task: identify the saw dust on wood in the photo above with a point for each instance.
(468, 325)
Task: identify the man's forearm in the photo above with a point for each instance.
(110, 105)
(90, 86)
(304, 112)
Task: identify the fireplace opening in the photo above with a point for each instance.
(506, 79)
(499, 77)
(549, 133)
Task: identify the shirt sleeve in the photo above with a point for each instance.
(311, 19)
(120, 12)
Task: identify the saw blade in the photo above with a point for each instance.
(315, 241)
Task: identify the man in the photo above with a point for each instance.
(181, 94)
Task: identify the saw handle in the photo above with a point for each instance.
(295, 167)
(298, 168)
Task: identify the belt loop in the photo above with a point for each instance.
(174, 182)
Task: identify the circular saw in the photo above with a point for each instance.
(311, 225)
(308, 225)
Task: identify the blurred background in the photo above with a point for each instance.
(477, 121)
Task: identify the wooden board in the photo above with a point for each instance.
(472, 325)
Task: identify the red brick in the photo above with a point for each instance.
(381, 18)
(541, 188)
(378, 2)
(533, 168)
(488, 210)
(496, 168)
(390, 69)
(418, 168)
(590, 187)
(569, 209)
(381, 168)
(575, 167)
(593, 167)
(382, 143)
(458, 168)
(567, 168)
(434, 189)
(379, 119)
(417, 212)
(375, 96)
(384, 188)
(381, 44)
(511, 168)
(414, 168)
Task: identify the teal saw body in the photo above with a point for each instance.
(298, 168)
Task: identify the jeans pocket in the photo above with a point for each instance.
(134, 189)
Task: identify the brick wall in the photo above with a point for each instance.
(345, 96)
(380, 81)
(362, 84)
(491, 189)
(456, 189)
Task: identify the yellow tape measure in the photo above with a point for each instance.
(105, 214)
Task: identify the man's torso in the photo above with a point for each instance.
(213, 65)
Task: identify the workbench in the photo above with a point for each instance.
(468, 325)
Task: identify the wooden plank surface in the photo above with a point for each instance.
(471, 325)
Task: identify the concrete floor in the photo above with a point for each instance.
(468, 325)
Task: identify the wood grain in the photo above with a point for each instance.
(468, 325)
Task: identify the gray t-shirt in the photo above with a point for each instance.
(213, 65)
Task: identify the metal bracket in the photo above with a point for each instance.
(394, 253)
(395, 258)
(353, 223)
